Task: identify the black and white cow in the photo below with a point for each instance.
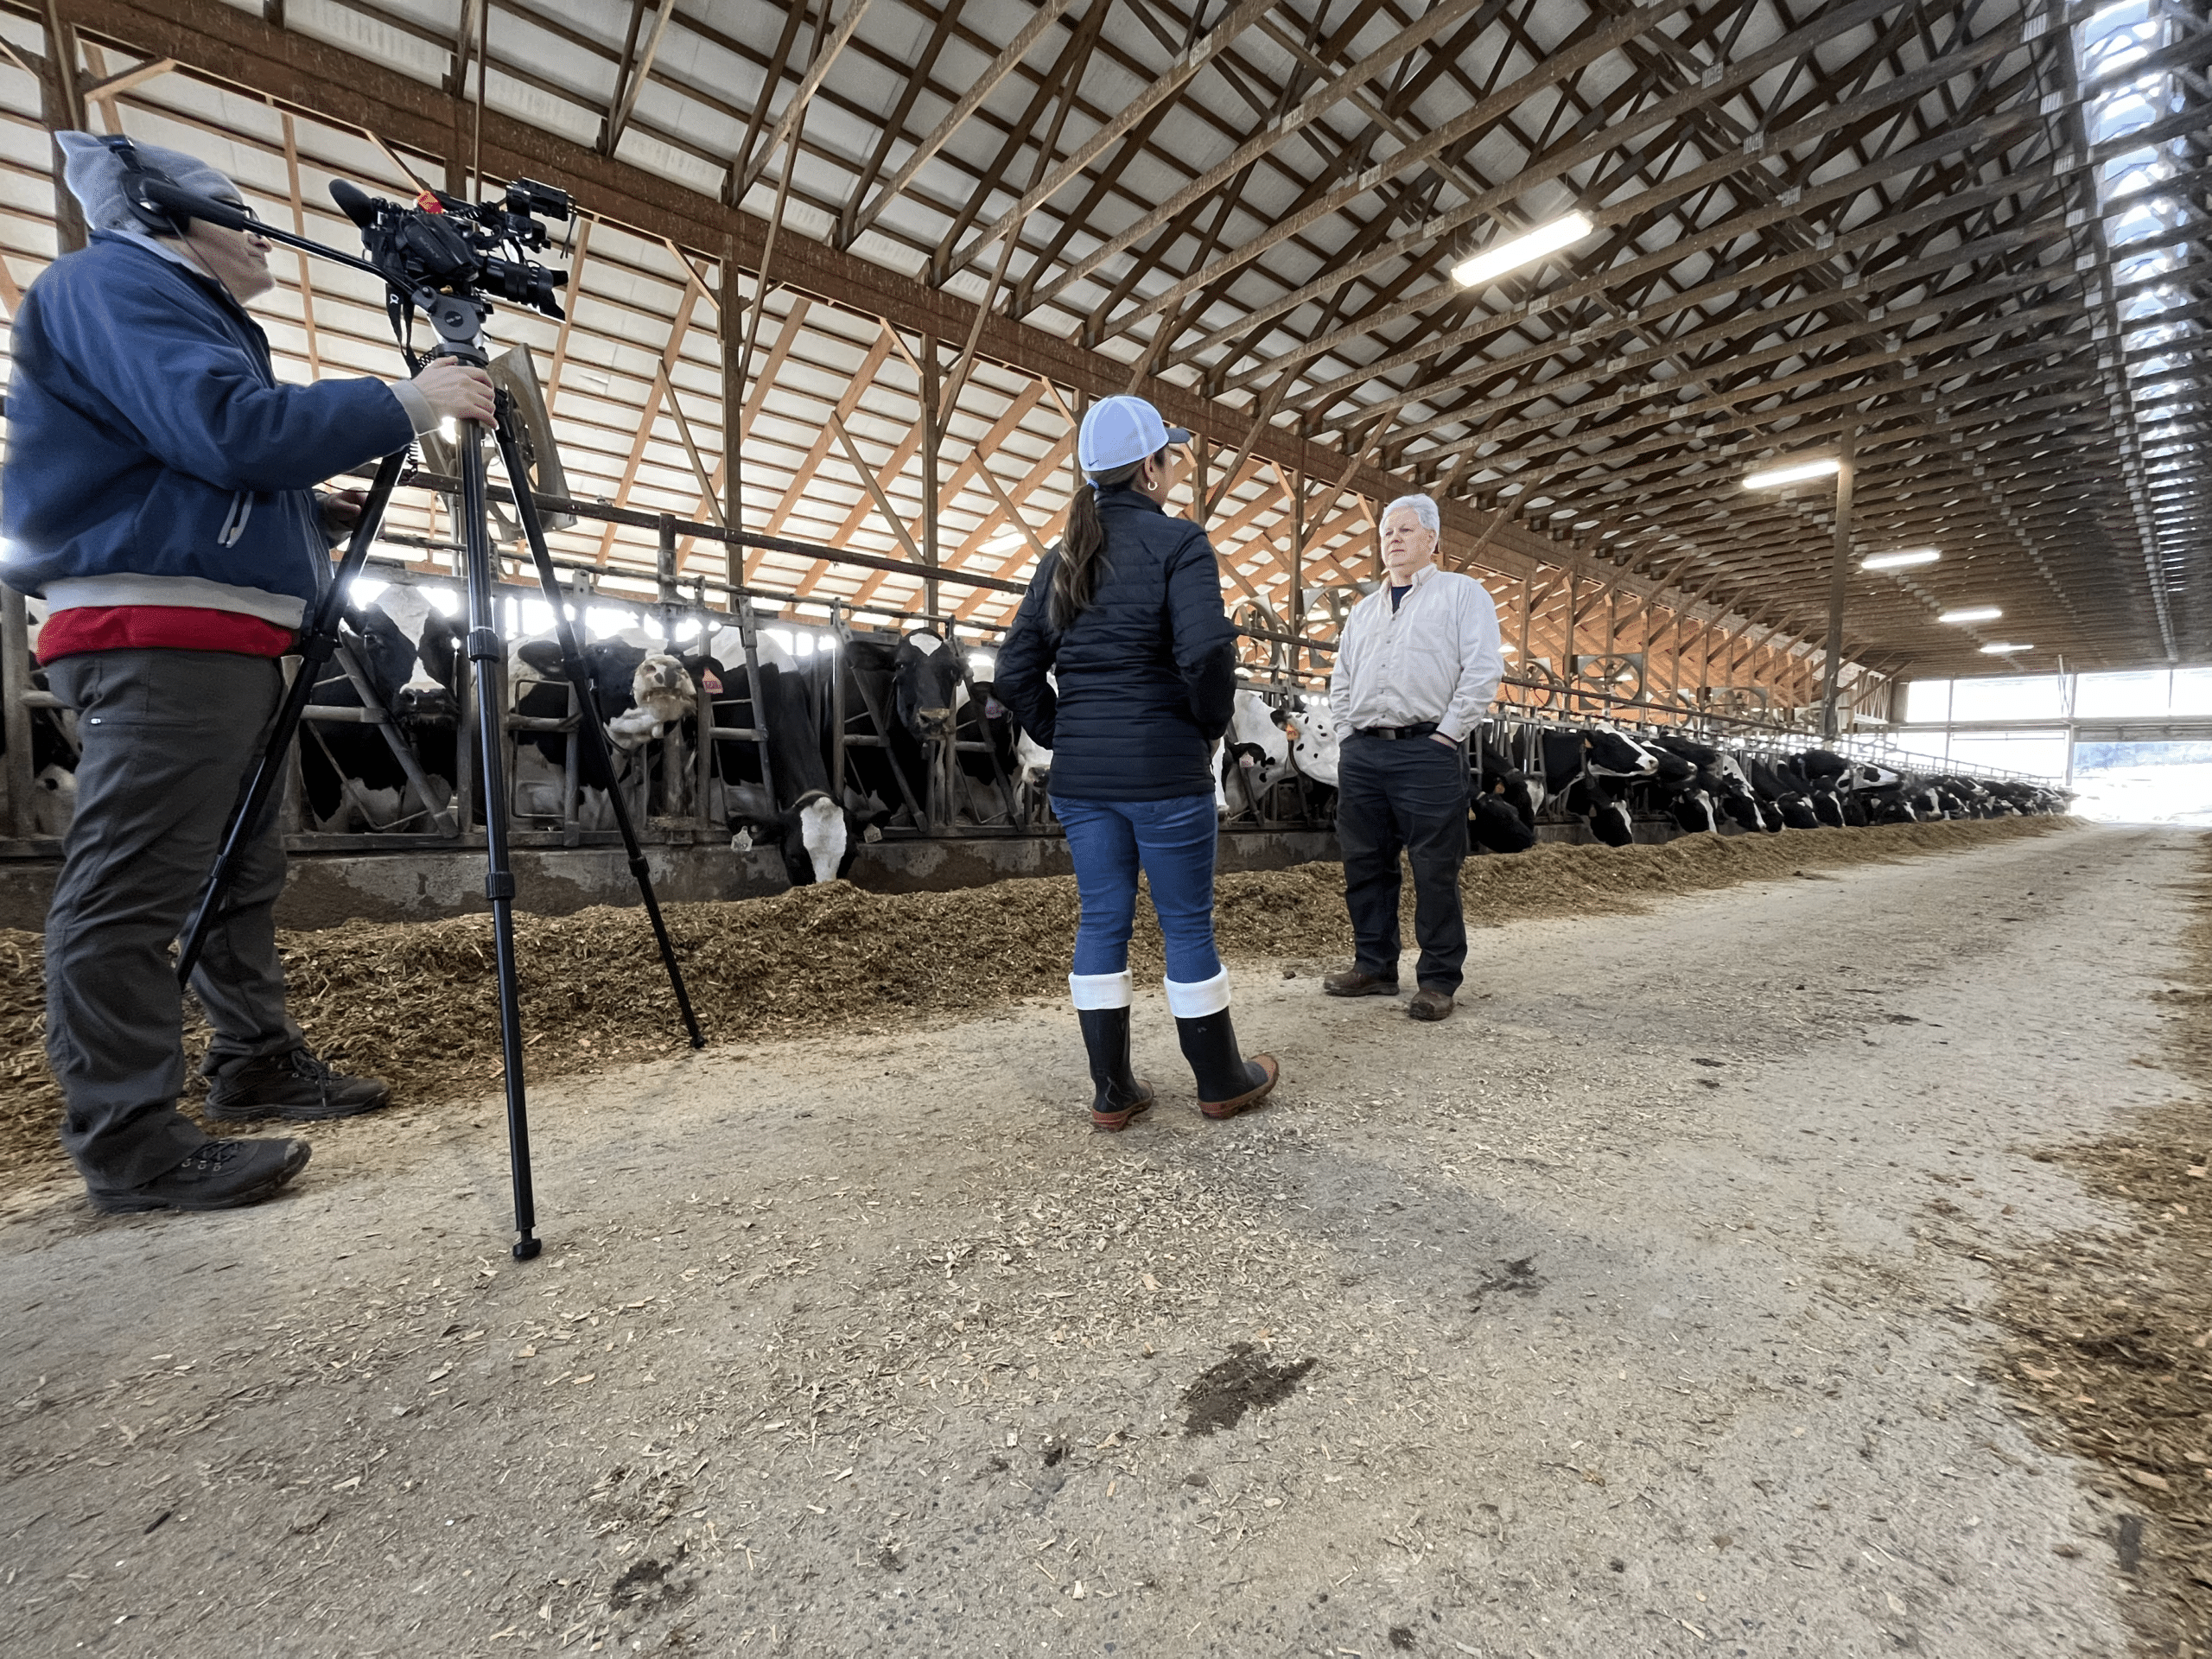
(55, 750)
(904, 693)
(1502, 790)
(986, 745)
(1314, 742)
(1254, 757)
(1783, 787)
(817, 834)
(410, 652)
(1495, 826)
(643, 692)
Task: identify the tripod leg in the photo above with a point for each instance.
(590, 729)
(317, 642)
(484, 657)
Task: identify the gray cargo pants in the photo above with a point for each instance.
(168, 737)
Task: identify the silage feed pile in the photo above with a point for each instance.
(414, 1002)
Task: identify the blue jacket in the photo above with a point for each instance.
(153, 456)
(1148, 674)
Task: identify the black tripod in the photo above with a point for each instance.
(459, 321)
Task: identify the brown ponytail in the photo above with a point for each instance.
(1075, 580)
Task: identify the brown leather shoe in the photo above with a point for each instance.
(1430, 1005)
(1352, 982)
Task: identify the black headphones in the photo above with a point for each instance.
(136, 177)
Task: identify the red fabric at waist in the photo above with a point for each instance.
(171, 627)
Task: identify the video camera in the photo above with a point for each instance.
(442, 243)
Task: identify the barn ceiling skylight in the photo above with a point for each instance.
(2145, 226)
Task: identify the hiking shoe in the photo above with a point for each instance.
(219, 1175)
(1430, 1005)
(1352, 982)
(294, 1085)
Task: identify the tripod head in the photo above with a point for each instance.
(458, 322)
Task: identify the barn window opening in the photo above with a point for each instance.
(2135, 744)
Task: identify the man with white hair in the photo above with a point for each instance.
(1416, 666)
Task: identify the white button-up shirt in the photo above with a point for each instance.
(1435, 658)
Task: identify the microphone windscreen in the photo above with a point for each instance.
(355, 202)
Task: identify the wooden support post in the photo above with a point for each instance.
(1297, 606)
(731, 314)
(1567, 646)
(1839, 569)
(932, 432)
(841, 637)
(62, 107)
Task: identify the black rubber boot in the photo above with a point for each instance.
(1228, 1083)
(1122, 1094)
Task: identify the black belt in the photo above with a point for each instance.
(1419, 729)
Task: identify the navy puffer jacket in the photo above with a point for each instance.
(1148, 674)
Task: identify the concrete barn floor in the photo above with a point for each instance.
(1592, 1322)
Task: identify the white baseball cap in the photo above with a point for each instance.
(1120, 432)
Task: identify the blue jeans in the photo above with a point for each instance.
(1173, 842)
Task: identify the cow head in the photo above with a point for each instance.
(1618, 755)
(1610, 824)
(1693, 812)
(1313, 749)
(1497, 827)
(820, 830)
(926, 674)
(662, 687)
(419, 648)
(1744, 810)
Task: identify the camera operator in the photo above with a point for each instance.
(159, 495)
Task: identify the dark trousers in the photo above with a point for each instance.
(167, 738)
(1405, 795)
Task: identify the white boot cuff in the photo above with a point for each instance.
(1195, 998)
(1099, 990)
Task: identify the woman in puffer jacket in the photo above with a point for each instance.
(1126, 613)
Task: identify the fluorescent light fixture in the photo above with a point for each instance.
(1903, 561)
(2001, 649)
(1972, 613)
(1796, 473)
(1493, 262)
(1509, 650)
